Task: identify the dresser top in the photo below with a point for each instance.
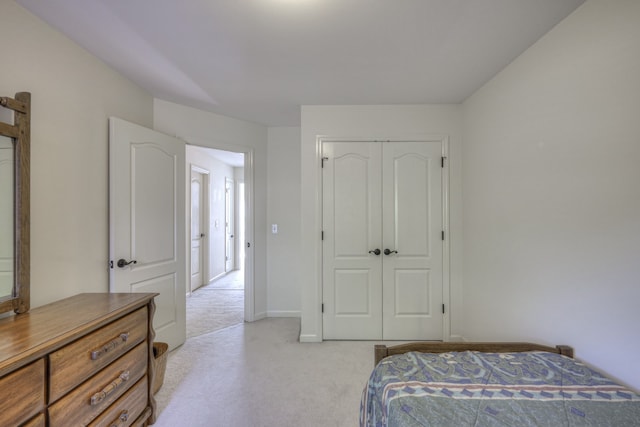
(29, 336)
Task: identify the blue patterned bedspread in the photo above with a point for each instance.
(493, 389)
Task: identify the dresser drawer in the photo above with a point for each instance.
(37, 421)
(90, 399)
(127, 409)
(23, 394)
(77, 361)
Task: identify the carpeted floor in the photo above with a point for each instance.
(209, 310)
(258, 375)
(230, 373)
(232, 280)
(217, 305)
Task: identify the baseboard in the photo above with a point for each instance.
(215, 278)
(457, 338)
(310, 338)
(283, 313)
(260, 316)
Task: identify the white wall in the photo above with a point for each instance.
(283, 209)
(211, 130)
(552, 193)
(375, 122)
(218, 173)
(73, 94)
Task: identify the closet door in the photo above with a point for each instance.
(412, 241)
(352, 211)
(382, 244)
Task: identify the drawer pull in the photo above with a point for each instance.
(111, 345)
(122, 419)
(113, 386)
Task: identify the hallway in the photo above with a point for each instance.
(217, 305)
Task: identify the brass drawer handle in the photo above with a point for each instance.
(122, 419)
(111, 345)
(113, 386)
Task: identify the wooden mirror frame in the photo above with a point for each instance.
(20, 134)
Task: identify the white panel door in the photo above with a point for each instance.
(197, 229)
(412, 241)
(382, 240)
(147, 222)
(352, 293)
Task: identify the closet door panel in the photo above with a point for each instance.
(351, 226)
(412, 229)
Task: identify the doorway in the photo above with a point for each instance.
(225, 297)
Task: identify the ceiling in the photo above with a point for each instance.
(229, 158)
(259, 60)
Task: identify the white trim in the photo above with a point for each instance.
(446, 245)
(318, 226)
(310, 338)
(230, 181)
(284, 313)
(213, 279)
(249, 269)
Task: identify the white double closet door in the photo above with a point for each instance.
(382, 240)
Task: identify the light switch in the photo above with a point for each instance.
(274, 228)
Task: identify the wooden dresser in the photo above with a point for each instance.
(81, 361)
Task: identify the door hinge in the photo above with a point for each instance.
(442, 234)
(442, 161)
(111, 264)
(322, 307)
(322, 235)
(442, 308)
(322, 161)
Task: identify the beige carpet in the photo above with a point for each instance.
(232, 280)
(258, 375)
(210, 309)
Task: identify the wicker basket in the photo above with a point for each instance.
(159, 364)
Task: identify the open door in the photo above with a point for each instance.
(147, 222)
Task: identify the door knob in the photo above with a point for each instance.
(123, 262)
(375, 251)
(389, 252)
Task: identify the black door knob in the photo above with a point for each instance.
(389, 252)
(123, 262)
(375, 251)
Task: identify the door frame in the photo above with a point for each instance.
(446, 262)
(204, 251)
(249, 237)
(230, 223)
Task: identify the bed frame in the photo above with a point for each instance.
(381, 351)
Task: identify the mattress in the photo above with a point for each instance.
(493, 389)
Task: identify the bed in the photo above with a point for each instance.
(491, 384)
